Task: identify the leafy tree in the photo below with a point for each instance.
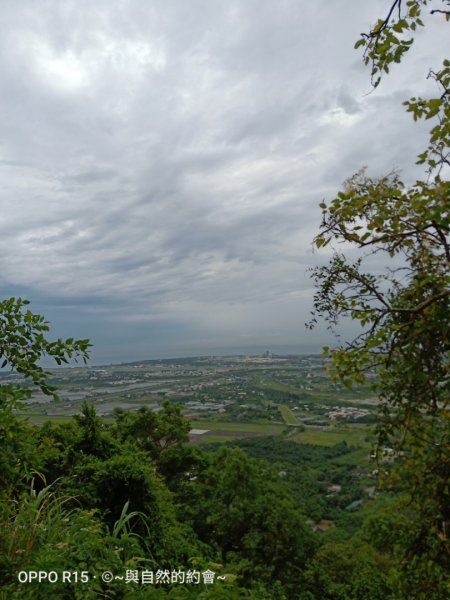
(23, 344)
(18, 457)
(403, 312)
(80, 522)
(345, 572)
(55, 443)
(153, 432)
(93, 438)
(239, 506)
(386, 530)
(385, 44)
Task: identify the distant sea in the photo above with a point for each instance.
(155, 353)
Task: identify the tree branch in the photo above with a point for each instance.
(443, 239)
(376, 34)
(423, 305)
(443, 12)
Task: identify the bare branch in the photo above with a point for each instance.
(443, 12)
(443, 239)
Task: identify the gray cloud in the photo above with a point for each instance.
(162, 163)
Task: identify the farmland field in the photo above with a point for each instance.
(288, 415)
(231, 397)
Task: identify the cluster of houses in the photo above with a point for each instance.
(344, 413)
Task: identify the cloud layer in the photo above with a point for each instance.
(162, 162)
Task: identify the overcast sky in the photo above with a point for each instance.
(162, 162)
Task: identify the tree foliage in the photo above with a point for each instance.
(88, 496)
(155, 433)
(395, 284)
(23, 344)
(386, 43)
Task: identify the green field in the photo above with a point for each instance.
(329, 437)
(288, 415)
(266, 383)
(40, 419)
(250, 427)
(356, 436)
(207, 439)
